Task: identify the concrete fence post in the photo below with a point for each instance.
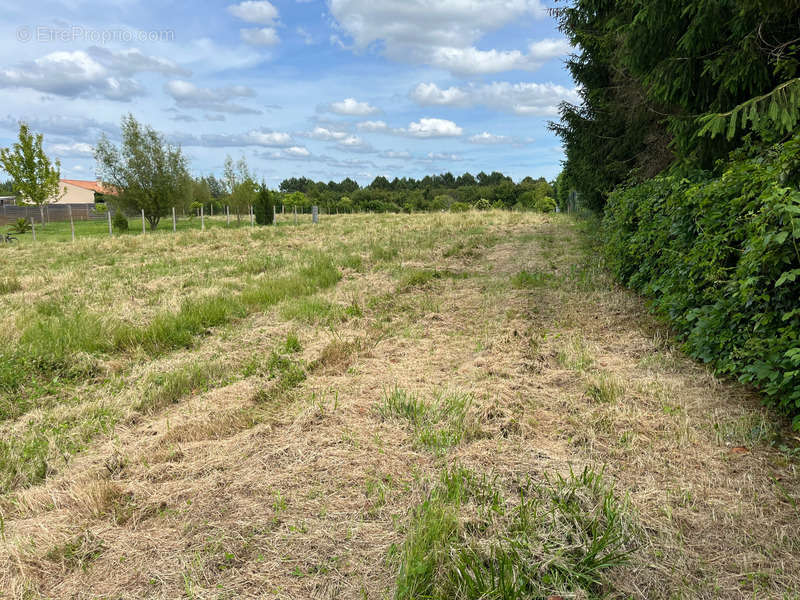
(202, 220)
(274, 215)
(174, 223)
(315, 214)
(110, 231)
(143, 231)
(295, 215)
(71, 222)
(33, 228)
(227, 215)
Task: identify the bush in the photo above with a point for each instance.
(120, 221)
(458, 207)
(720, 257)
(22, 225)
(264, 206)
(545, 204)
(483, 204)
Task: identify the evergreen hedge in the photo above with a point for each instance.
(719, 253)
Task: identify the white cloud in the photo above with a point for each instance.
(353, 143)
(490, 139)
(438, 156)
(307, 37)
(188, 95)
(395, 155)
(372, 126)
(442, 34)
(325, 134)
(254, 11)
(254, 137)
(79, 149)
(526, 98)
(299, 151)
(549, 48)
(429, 128)
(471, 61)
(72, 74)
(352, 107)
(132, 60)
(63, 125)
(266, 36)
(429, 94)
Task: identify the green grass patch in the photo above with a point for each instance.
(558, 537)
(381, 253)
(312, 310)
(9, 285)
(437, 424)
(418, 277)
(284, 372)
(605, 387)
(164, 389)
(535, 279)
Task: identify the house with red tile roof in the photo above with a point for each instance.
(77, 191)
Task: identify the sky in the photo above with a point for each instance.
(325, 89)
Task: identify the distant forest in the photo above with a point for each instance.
(432, 192)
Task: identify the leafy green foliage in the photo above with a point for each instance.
(779, 110)
(21, 225)
(264, 206)
(147, 173)
(721, 257)
(654, 74)
(35, 177)
(120, 222)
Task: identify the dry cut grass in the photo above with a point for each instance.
(471, 409)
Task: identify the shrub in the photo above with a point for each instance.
(720, 257)
(22, 225)
(483, 204)
(458, 207)
(120, 221)
(545, 204)
(264, 206)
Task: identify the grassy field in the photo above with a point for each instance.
(60, 231)
(380, 406)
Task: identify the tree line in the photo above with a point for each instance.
(146, 173)
(686, 139)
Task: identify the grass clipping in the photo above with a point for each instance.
(557, 538)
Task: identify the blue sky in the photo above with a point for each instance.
(320, 88)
